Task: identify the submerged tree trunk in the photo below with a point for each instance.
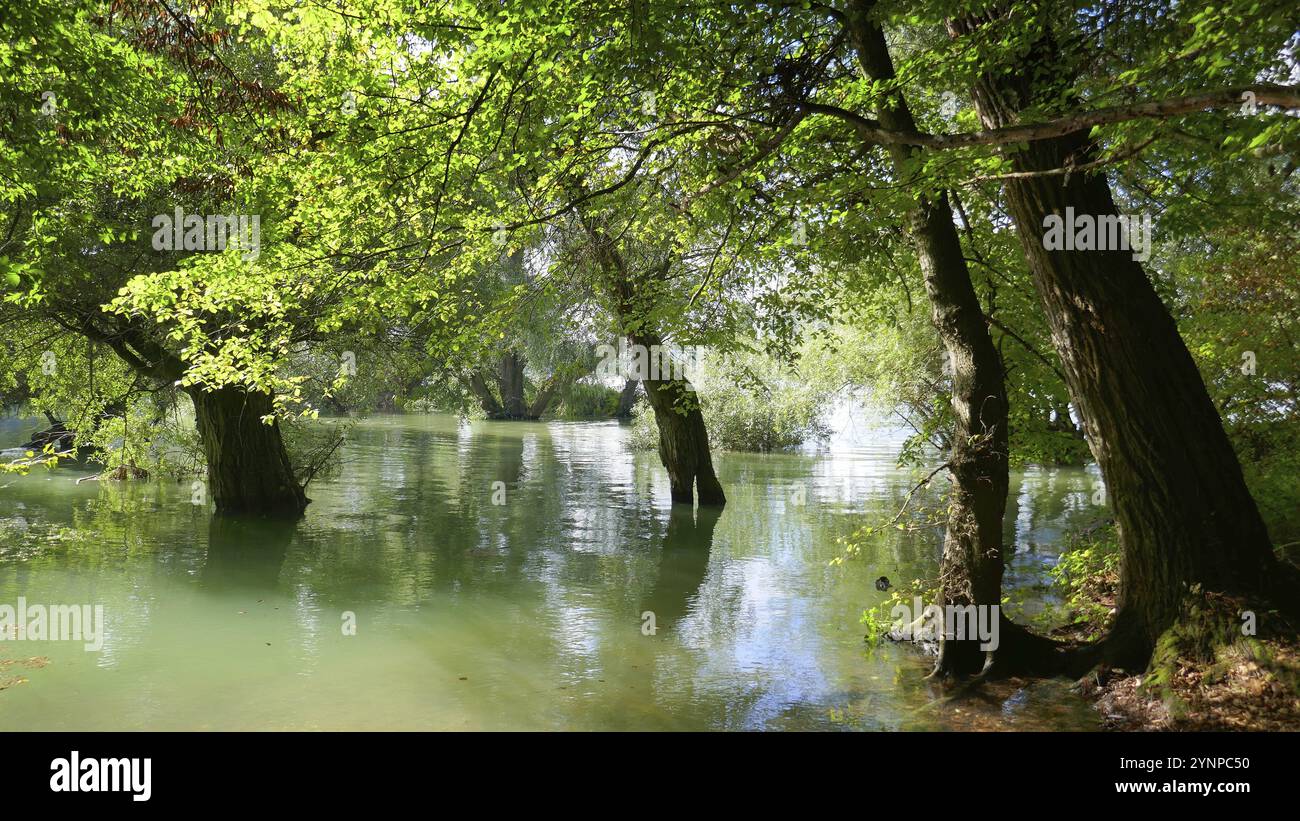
(510, 381)
(972, 565)
(683, 437)
(248, 468)
(1186, 517)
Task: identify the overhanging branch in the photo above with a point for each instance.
(1265, 94)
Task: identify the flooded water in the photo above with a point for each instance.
(500, 576)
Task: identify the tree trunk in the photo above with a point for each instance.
(248, 467)
(1185, 514)
(510, 381)
(478, 386)
(683, 438)
(546, 394)
(627, 399)
(972, 565)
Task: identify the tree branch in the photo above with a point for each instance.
(871, 131)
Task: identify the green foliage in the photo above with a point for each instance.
(880, 621)
(582, 400)
(1087, 576)
(351, 374)
(895, 359)
(1237, 293)
(750, 403)
(1270, 457)
(314, 446)
(430, 182)
(785, 418)
(147, 440)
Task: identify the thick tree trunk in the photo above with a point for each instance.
(972, 565)
(683, 438)
(248, 467)
(627, 399)
(510, 382)
(1185, 514)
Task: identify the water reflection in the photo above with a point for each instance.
(683, 564)
(497, 573)
(246, 554)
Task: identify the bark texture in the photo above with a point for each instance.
(248, 467)
(510, 381)
(683, 437)
(1185, 514)
(972, 565)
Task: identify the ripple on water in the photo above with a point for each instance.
(528, 611)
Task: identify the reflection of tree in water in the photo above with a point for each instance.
(94, 526)
(754, 628)
(1058, 500)
(246, 553)
(1045, 506)
(509, 501)
(683, 563)
(437, 530)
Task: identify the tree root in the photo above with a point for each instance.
(1209, 623)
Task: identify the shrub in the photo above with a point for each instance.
(581, 400)
(744, 419)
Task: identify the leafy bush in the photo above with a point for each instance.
(1270, 461)
(147, 441)
(581, 400)
(758, 418)
(1087, 575)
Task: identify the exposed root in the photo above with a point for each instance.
(1251, 685)
(123, 473)
(1020, 652)
(1225, 664)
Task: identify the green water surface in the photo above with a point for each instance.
(484, 606)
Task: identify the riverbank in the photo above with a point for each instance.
(1251, 687)
(1251, 684)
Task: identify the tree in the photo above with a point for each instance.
(683, 437)
(1187, 518)
(972, 565)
